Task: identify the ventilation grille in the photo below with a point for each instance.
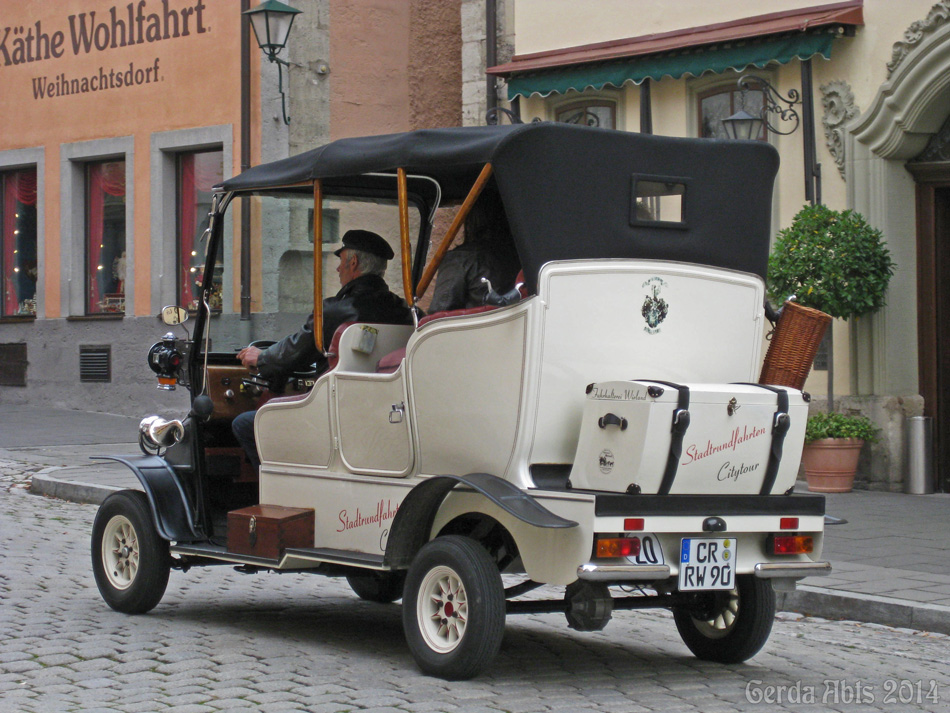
(13, 364)
(95, 363)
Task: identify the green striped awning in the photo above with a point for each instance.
(737, 55)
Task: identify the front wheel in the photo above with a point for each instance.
(728, 627)
(453, 609)
(130, 561)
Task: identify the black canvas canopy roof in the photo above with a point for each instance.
(570, 192)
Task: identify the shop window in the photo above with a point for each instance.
(18, 260)
(105, 237)
(197, 173)
(719, 104)
(602, 114)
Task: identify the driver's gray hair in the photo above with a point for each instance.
(370, 264)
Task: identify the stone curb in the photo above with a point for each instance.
(867, 608)
(43, 483)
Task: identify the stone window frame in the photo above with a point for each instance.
(701, 87)
(165, 147)
(74, 158)
(33, 158)
(593, 98)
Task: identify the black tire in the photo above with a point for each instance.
(449, 640)
(130, 561)
(728, 627)
(379, 587)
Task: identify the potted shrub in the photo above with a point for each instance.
(833, 443)
(836, 265)
(832, 261)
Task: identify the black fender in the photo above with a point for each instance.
(413, 521)
(170, 505)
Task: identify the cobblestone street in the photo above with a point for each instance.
(221, 640)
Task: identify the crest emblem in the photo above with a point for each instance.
(655, 308)
(606, 461)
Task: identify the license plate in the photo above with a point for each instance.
(707, 564)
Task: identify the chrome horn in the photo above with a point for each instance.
(156, 432)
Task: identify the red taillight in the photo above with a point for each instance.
(633, 524)
(618, 547)
(791, 544)
(788, 523)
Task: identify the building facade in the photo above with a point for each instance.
(120, 117)
(873, 76)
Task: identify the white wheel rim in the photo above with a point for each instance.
(442, 609)
(120, 552)
(722, 623)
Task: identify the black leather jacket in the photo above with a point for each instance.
(364, 299)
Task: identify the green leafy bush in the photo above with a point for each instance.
(833, 261)
(839, 425)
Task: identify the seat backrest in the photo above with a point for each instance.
(455, 313)
(333, 353)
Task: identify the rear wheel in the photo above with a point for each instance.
(453, 608)
(380, 587)
(130, 561)
(728, 627)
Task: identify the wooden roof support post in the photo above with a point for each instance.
(453, 230)
(406, 249)
(318, 266)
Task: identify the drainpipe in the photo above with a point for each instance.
(491, 52)
(245, 159)
(646, 108)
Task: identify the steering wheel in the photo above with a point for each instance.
(255, 383)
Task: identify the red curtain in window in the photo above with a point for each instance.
(10, 302)
(19, 188)
(24, 186)
(104, 179)
(186, 229)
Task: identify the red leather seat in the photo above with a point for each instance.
(389, 363)
(455, 313)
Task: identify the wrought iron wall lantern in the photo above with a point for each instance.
(743, 125)
(272, 21)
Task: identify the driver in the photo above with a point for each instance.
(363, 297)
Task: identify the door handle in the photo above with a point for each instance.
(397, 413)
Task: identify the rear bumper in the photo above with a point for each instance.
(591, 572)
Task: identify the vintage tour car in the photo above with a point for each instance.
(599, 431)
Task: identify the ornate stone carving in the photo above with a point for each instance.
(838, 102)
(917, 32)
(938, 148)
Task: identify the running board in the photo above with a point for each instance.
(301, 558)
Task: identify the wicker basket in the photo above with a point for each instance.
(794, 344)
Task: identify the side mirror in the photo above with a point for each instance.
(172, 315)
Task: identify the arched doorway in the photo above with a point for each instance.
(931, 171)
(901, 356)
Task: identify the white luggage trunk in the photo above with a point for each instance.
(723, 442)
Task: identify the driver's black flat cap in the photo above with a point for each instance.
(368, 242)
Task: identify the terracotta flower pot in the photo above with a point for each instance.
(830, 464)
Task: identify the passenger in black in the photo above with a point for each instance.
(363, 297)
(488, 251)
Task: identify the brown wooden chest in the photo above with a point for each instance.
(267, 530)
